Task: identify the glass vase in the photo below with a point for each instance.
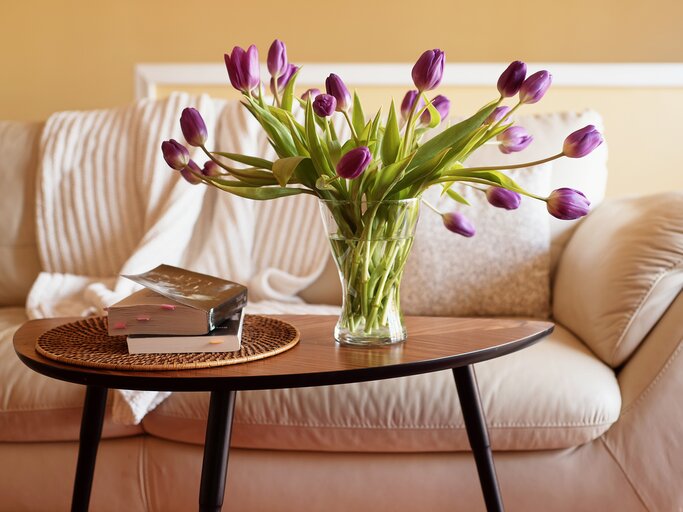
(370, 244)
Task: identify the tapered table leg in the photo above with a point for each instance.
(216, 446)
(89, 439)
(477, 433)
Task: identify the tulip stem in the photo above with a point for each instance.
(431, 207)
(353, 130)
(454, 172)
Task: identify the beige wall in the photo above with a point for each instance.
(80, 54)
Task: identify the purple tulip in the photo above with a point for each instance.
(354, 163)
(443, 107)
(503, 198)
(324, 105)
(243, 68)
(277, 58)
(408, 102)
(534, 87)
(511, 79)
(497, 114)
(211, 169)
(176, 155)
(582, 142)
(458, 223)
(514, 139)
(336, 87)
(193, 127)
(189, 175)
(567, 204)
(310, 93)
(428, 70)
(283, 79)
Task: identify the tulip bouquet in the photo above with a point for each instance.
(371, 184)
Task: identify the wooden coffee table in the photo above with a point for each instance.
(434, 344)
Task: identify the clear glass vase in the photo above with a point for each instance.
(370, 243)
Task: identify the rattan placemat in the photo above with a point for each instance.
(86, 343)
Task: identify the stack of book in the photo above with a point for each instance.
(180, 311)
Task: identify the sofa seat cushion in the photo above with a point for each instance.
(34, 407)
(555, 394)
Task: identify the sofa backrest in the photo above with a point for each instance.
(19, 263)
(19, 142)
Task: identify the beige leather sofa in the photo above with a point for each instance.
(589, 419)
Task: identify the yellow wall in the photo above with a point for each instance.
(80, 54)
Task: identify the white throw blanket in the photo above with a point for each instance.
(107, 204)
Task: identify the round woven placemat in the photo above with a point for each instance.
(86, 343)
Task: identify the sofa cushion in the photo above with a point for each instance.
(19, 263)
(555, 394)
(620, 271)
(34, 407)
(504, 270)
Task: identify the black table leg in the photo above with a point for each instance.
(477, 433)
(216, 446)
(91, 431)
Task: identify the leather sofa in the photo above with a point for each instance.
(589, 419)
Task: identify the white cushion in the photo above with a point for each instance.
(504, 269)
(552, 395)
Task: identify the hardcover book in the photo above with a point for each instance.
(176, 301)
(226, 337)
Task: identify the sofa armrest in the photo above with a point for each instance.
(621, 270)
(646, 441)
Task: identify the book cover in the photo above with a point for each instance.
(226, 337)
(213, 298)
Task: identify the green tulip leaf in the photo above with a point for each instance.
(434, 116)
(247, 160)
(455, 196)
(451, 137)
(391, 141)
(284, 168)
(263, 193)
(358, 117)
(288, 94)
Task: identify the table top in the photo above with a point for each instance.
(434, 343)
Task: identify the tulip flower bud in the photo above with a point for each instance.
(211, 169)
(497, 114)
(514, 139)
(324, 105)
(243, 68)
(283, 79)
(354, 163)
(534, 87)
(428, 70)
(443, 107)
(189, 173)
(310, 93)
(408, 101)
(567, 204)
(336, 87)
(511, 79)
(193, 127)
(503, 198)
(277, 58)
(582, 142)
(176, 155)
(458, 223)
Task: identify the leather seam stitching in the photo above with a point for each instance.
(674, 355)
(623, 471)
(648, 293)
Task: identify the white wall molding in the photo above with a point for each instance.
(149, 76)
